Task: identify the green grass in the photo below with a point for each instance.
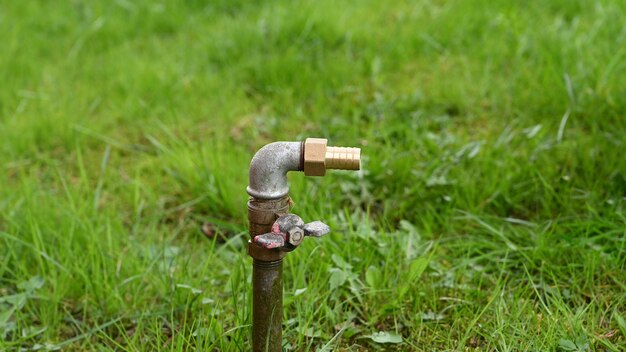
(489, 214)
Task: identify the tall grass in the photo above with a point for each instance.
(489, 214)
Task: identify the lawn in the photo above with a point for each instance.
(489, 213)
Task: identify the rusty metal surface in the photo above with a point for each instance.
(267, 275)
(261, 217)
(263, 213)
(259, 252)
(287, 222)
(270, 240)
(269, 167)
(287, 233)
(267, 306)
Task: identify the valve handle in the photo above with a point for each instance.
(316, 229)
(288, 231)
(270, 240)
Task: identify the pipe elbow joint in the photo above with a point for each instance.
(269, 167)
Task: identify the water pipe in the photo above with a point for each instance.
(274, 232)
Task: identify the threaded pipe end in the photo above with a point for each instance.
(267, 265)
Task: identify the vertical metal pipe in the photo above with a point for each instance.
(267, 277)
(267, 306)
(269, 191)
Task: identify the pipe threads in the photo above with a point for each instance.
(267, 265)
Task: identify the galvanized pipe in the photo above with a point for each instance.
(269, 167)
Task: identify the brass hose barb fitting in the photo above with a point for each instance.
(318, 157)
